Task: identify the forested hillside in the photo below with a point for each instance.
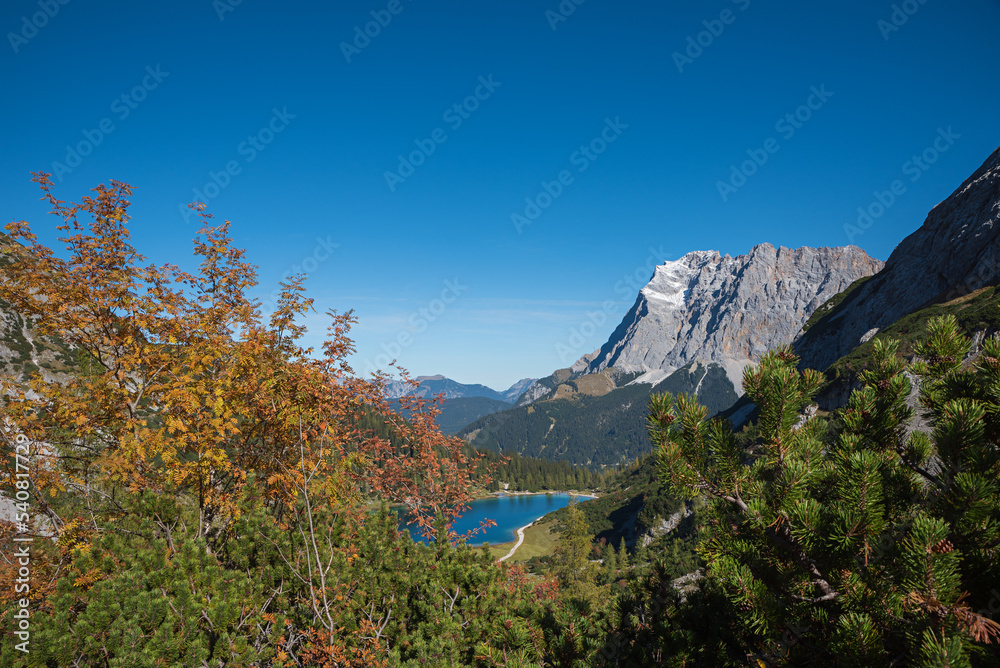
(496, 472)
(594, 431)
(457, 413)
(632, 503)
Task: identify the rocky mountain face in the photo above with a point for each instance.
(19, 353)
(451, 389)
(22, 350)
(693, 328)
(955, 252)
(708, 307)
(514, 392)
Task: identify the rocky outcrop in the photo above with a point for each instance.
(955, 252)
(533, 393)
(664, 526)
(23, 351)
(713, 308)
(514, 392)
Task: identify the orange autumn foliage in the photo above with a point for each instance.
(187, 389)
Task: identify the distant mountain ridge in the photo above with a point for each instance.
(693, 328)
(461, 411)
(451, 389)
(709, 307)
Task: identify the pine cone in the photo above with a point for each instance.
(942, 547)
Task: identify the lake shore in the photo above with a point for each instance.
(509, 511)
(540, 539)
(520, 540)
(501, 494)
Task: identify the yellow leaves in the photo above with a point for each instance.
(174, 425)
(88, 579)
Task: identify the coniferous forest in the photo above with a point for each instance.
(201, 490)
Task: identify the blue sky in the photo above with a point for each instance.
(630, 113)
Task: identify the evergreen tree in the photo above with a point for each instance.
(610, 563)
(641, 557)
(623, 560)
(872, 548)
(572, 554)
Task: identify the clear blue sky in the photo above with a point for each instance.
(652, 194)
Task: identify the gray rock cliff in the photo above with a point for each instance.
(730, 310)
(955, 252)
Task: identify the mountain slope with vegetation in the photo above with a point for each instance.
(458, 412)
(956, 251)
(977, 315)
(603, 430)
(23, 350)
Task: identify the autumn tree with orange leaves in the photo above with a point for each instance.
(204, 475)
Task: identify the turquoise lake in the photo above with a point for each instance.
(510, 513)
